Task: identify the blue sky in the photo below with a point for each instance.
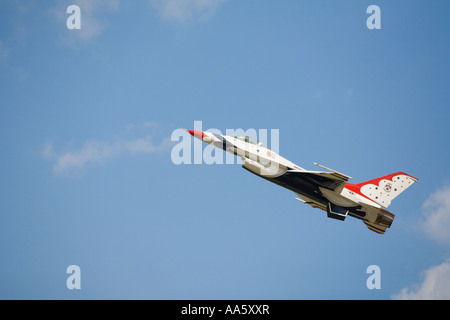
(86, 172)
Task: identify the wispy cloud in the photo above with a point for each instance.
(436, 223)
(182, 11)
(93, 20)
(95, 151)
(435, 285)
(437, 216)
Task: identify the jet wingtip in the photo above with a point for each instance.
(403, 173)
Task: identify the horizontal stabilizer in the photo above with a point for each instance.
(381, 229)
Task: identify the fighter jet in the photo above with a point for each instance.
(328, 190)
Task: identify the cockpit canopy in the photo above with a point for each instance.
(250, 140)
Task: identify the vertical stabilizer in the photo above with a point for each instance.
(384, 189)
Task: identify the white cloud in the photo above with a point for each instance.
(435, 286)
(436, 223)
(95, 152)
(437, 216)
(182, 11)
(93, 22)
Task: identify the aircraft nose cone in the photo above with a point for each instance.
(197, 134)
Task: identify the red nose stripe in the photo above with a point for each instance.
(197, 134)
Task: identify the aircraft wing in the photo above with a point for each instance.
(331, 180)
(311, 202)
(322, 179)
